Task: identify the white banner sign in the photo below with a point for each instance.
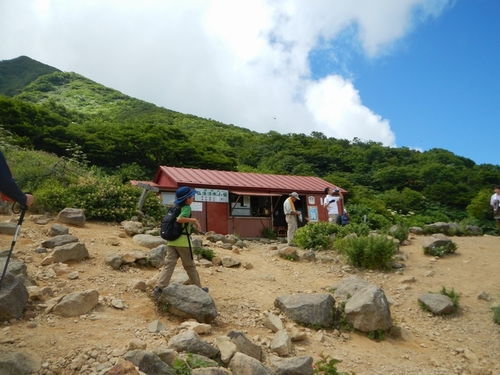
(212, 195)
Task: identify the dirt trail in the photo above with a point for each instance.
(428, 344)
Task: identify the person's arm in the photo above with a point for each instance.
(328, 200)
(184, 217)
(8, 185)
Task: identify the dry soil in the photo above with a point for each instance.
(465, 342)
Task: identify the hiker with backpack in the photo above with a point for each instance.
(9, 187)
(176, 228)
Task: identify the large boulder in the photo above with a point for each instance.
(189, 301)
(308, 309)
(72, 216)
(13, 297)
(368, 310)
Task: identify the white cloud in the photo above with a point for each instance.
(336, 105)
(244, 63)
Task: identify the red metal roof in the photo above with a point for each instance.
(171, 178)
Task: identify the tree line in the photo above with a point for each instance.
(125, 136)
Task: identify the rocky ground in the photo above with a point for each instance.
(466, 342)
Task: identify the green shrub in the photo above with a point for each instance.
(103, 198)
(268, 232)
(327, 366)
(204, 252)
(317, 236)
(359, 229)
(51, 197)
(180, 367)
(372, 252)
(450, 293)
(378, 335)
(496, 314)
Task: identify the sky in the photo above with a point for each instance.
(420, 74)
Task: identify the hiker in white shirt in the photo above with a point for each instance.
(495, 203)
(333, 196)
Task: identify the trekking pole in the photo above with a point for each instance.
(18, 227)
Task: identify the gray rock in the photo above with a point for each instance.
(189, 301)
(272, 322)
(148, 240)
(436, 240)
(438, 304)
(8, 228)
(156, 256)
(19, 363)
(474, 230)
(226, 347)
(72, 216)
(15, 267)
(77, 303)
(308, 309)
(59, 240)
(13, 297)
(484, 296)
(229, 262)
(241, 244)
(148, 362)
(114, 260)
(347, 287)
(217, 238)
(190, 342)
(132, 228)
(123, 368)
(71, 251)
(292, 366)
(242, 364)
(416, 230)
(135, 256)
(289, 252)
(169, 356)
(244, 345)
(282, 343)
(156, 326)
(58, 230)
(368, 310)
(309, 256)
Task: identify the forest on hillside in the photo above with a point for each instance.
(60, 113)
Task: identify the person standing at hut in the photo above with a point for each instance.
(495, 203)
(291, 215)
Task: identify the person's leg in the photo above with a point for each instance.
(189, 266)
(168, 269)
(498, 225)
(291, 220)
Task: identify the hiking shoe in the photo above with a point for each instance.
(205, 288)
(157, 292)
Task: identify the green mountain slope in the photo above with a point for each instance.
(59, 111)
(17, 73)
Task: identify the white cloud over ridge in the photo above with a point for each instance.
(243, 63)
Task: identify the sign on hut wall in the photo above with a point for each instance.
(212, 195)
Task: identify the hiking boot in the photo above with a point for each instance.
(205, 288)
(157, 292)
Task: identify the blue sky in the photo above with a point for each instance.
(440, 85)
(407, 73)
